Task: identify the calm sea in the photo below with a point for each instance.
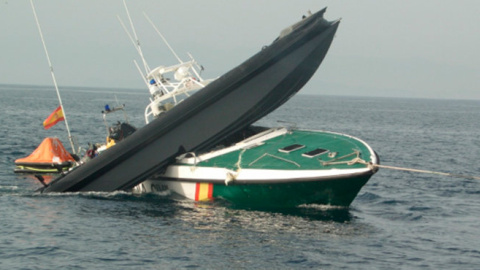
(400, 220)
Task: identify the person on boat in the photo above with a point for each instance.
(89, 154)
(92, 151)
(110, 142)
(155, 88)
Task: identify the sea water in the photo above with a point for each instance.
(400, 220)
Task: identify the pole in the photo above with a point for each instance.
(163, 38)
(147, 68)
(70, 138)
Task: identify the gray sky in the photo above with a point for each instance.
(409, 48)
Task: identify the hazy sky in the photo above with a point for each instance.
(427, 48)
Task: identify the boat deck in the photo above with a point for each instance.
(329, 150)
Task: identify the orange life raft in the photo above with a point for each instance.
(49, 157)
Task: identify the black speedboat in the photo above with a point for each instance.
(227, 105)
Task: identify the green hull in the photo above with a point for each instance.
(335, 192)
(263, 171)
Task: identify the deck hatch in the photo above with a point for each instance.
(315, 152)
(291, 148)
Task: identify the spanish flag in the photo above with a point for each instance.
(55, 117)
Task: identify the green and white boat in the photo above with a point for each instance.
(277, 167)
(258, 167)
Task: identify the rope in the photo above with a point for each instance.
(348, 162)
(377, 166)
(425, 171)
(232, 176)
(270, 155)
(239, 162)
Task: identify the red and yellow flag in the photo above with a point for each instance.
(203, 192)
(55, 117)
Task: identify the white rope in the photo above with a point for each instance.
(232, 176)
(425, 171)
(348, 162)
(280, 158)
(377, 166)
(239, 162)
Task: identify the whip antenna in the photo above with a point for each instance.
(139, 49)
(70, 138)
(163, 38)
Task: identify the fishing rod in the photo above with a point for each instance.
(70, 138)
(163, 38)
(192, 60)
(137, 41)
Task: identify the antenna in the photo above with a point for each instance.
(163, 38)
(141, 73)
(70, 138)
(123, 109)
(139, 49)
(128, 34)
(199, 67)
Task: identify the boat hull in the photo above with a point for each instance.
(257, 172)
(227, 105)
(332, 191)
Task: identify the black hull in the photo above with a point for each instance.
(229, 104)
